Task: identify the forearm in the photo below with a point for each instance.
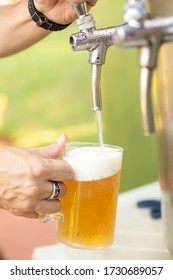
(17, 30)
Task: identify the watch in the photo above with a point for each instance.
(42, 21)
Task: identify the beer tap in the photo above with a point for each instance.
(96, 41)
(147, 35)
(139, 31)
(136, 15)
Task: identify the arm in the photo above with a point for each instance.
(17, 29)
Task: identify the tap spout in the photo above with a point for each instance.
(147, 61)
(146, 101)
(96, 87)
(96, 42)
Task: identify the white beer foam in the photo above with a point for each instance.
(94, 163)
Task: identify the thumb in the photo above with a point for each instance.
(54, 150)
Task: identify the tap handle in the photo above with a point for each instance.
(85, 21)
(80, 9)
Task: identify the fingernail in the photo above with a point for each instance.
(63, 136)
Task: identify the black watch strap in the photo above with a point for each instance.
(42, 21)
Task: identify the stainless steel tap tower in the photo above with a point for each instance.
(149, 27)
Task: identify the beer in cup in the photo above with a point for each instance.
(89, 206)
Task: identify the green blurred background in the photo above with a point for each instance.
(45, 90)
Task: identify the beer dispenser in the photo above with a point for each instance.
(96, 41)
(148, 26)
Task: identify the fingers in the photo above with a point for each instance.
(58, 170)
(54, 150)
(51, 168)
(91, 3)
(49, 188)
(44, 208)
(48, 206)
(30, 215)
(44, 205)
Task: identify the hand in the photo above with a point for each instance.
(60, 10)
(25, 176)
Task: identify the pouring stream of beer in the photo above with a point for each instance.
(99, 127)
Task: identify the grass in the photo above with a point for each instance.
(43, 89)
(48, 91)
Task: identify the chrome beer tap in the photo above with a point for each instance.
(147, 35)
(96, 41)
(150, 36)
(138, 30)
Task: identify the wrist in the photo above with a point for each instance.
(42, 21)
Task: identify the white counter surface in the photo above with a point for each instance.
(137, 235)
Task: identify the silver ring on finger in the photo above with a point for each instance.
(55, 190)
